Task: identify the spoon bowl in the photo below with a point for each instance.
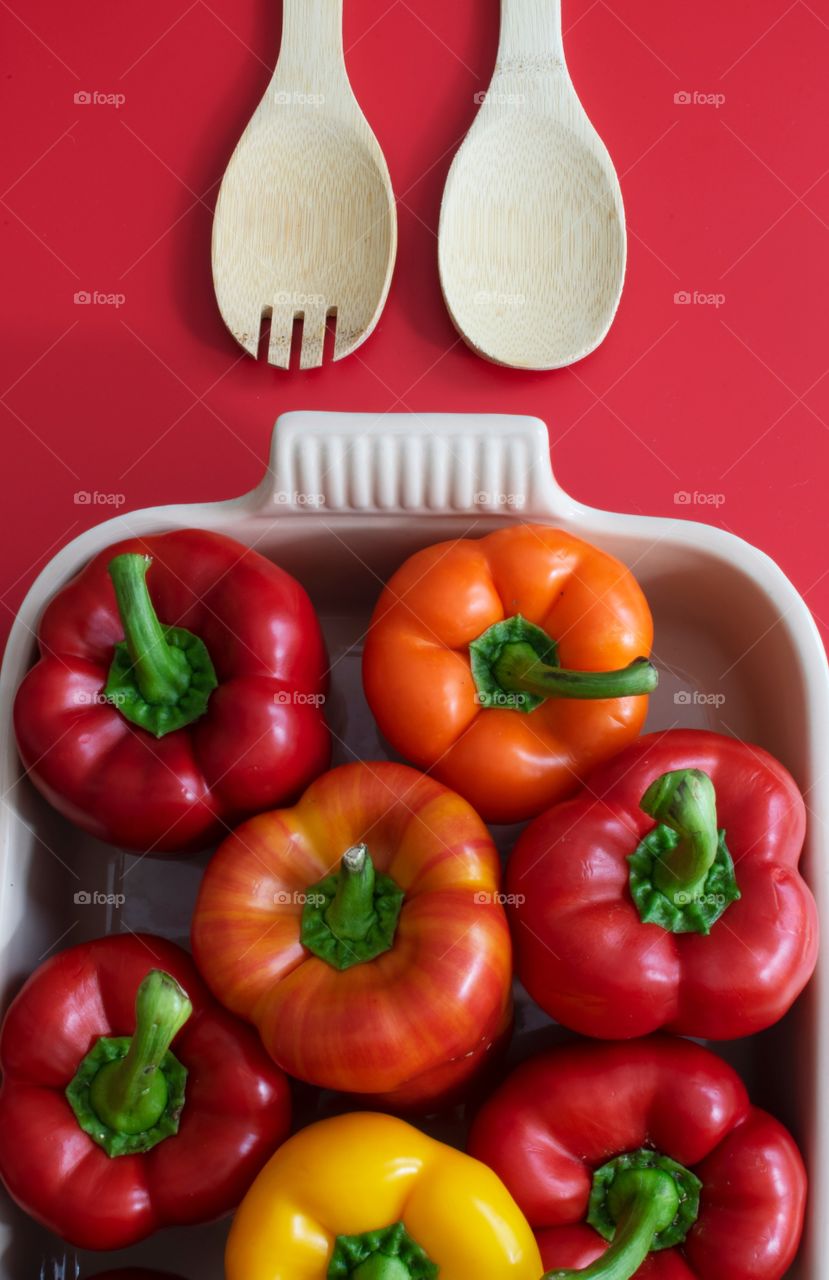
(532, 242)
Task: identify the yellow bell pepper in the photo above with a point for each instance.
(368, 1197)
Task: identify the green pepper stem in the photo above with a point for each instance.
(380, 1267)
(389, 1253)
(684, 801)
(643, 1203)
(351, 916)
(162, 672)
(130, 1095)
(520, 670)
(351, 913)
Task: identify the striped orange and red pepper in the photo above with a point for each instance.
(409, 1011)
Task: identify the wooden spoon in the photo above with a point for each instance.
(532, 242)
(305, 224)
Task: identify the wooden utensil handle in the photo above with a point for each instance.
(530, 32)
(312, 38)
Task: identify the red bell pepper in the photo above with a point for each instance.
(667, 894)
(159, 736)
(654, 1145)
(108, 1133)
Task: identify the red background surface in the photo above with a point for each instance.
(151, 400)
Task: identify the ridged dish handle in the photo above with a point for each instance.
(347, 463)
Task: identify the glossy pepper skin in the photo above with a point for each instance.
(568, 1112)
(236, 1107)
(582, 949)
(408, 1024)
(360, 1173)
(418, 671)
(575, 1248)
(258, 741)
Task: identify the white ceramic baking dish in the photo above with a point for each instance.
(346, 498)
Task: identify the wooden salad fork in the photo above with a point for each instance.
(305, 226)
(532, 241)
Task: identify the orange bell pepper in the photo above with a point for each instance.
(362, 931)
(510, 666)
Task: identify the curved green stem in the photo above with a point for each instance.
(686, 803)
(515, 667)
(130, 1095)
(161, 671)
(519, 670)
(161, 677)
(128, 1092)
(643, 1202)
